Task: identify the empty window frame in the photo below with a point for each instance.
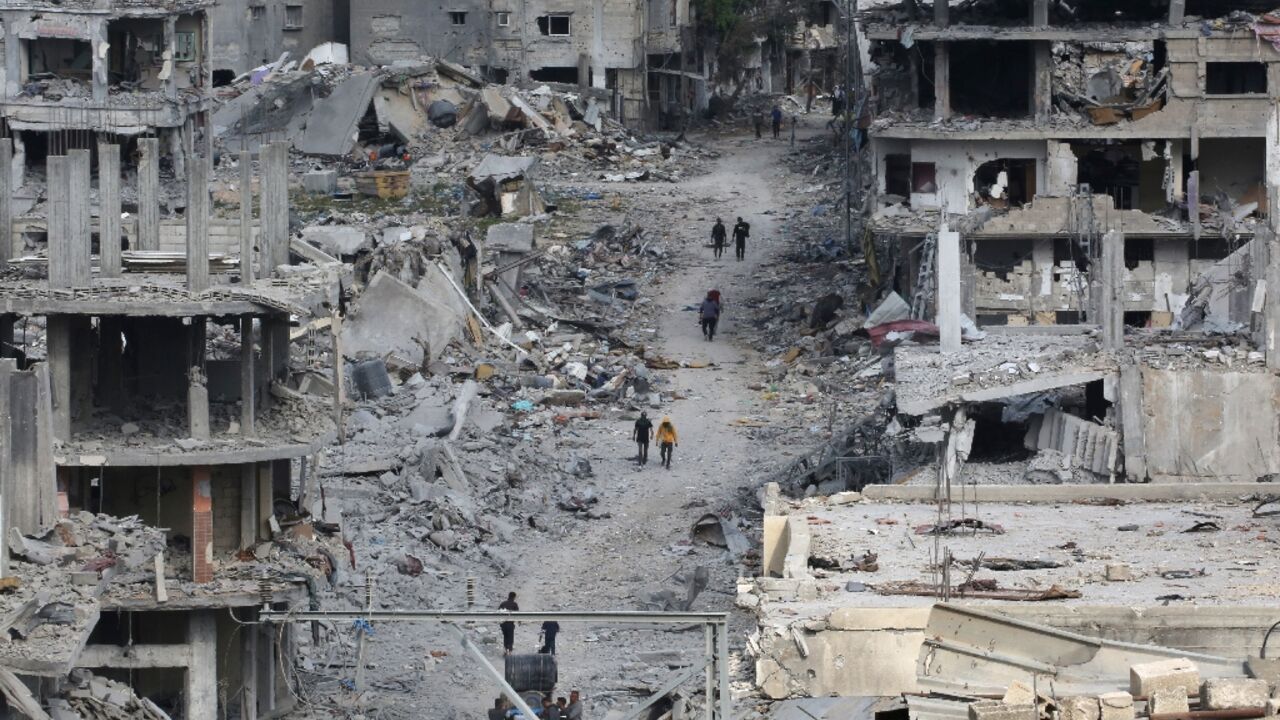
(554, 25)
(257, 12)
(503, 18)
(184, 46)
(924, 177)
(457, 17)
(1235, 78)
(292, 17)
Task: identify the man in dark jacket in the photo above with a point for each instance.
(741, 232)
(718, 238)
(550, 629)
(642, 433)
(508, 628)
(709, 316)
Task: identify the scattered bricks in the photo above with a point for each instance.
(320, 182)
(996, 710)
(1116, 706)
(1019, 694)
(1079, 707)
(1118, 572)
(1234, 693)
(1164, 701)
(1148, 678)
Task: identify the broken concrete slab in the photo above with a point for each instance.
(320, 182)
(1079, 707)
(1146, 679)
(1116, 706)
(1168, 700)
(337, 240)
(510, 237)
(396, 110)
(331, 126)
(1234, 693)
(393, 317)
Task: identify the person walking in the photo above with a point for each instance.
(776, 116)
(667, 439)
(550, 629)
(741, 232)
(718, 238)
(709, 315)
(793, 131)
(641, 433)
(758, 121)
(508, 627)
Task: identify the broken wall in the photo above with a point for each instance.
(952, 164)
(1206, 425)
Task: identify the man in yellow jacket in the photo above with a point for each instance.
(667, 439)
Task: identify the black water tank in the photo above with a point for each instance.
(371, 378)
(531, 672)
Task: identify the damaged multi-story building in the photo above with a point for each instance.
(153, 434)
(1043, 125)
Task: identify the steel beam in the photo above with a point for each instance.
(606, 617)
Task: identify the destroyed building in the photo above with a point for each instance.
(74, 73)
(156, 386)
(1034, 128)
(252, 33)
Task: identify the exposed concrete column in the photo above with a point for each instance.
(197, 389)
(13, 66)
(179, 148)
(949, 289)
(7, 368)
(597, 45)
(1111, 315)
(62, 272)
(1040, 13)
(246, 218)
(248, 505)
(274, 212)
(1042, 80)
(6, 201)
(941, 13)
(109, 262)
(148, 194)
(248, 389)
(267, 670)
(941, 81)
(1177, 11)
(248, 664)
(18, 171)
(80, 245)
(1271, 169)
(202, 673)
(1042, 307)
(1271, 326)
(169, 71)
(97, 41)
(58, 329)
(197, 217)
(201, 528)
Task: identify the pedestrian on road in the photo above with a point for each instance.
(718, 238)
(667, 439)
(499, 710)
(641, 433)
(508, 627)
(575, 706)
(550, 629)
(758, 120)
(709, 315)
(741, 232)
(776, 115)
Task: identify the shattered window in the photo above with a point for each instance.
(457, 18)
(293, 16)
(924, 178)
(184, 46)
(554, 25)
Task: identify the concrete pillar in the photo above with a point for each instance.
(202, 673)
(1043, 310)
(17, 173)
(80, 244)
(201, 526)
(248, 388)
(1040, 13)
(1042, 80)
(246, 218)
(58, 329)
(949, 289)
(197, 382)
(1271, 324)
(267, 668)
(274, 213)
(97, 43)
(7, 250)
(941, 13)
(941, 81)
(248, 667)
(148, 194)
(248, 505)
(1111, 317)
(61, 265)
(109, 262)
(197, 217)
(168, 70)
(176, 139)
(1177, 11)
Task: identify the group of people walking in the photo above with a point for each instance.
(741, 231)
(666, 436)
